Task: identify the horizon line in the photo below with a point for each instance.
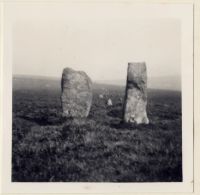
(57, 77)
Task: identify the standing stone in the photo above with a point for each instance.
(136, 94)
(76, 95)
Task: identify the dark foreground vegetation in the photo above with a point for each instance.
(100, 148)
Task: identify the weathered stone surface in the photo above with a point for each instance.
(136, 94)
(76, 95)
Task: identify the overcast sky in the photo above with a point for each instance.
(99, 40)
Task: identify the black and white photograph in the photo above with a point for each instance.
(98, 93)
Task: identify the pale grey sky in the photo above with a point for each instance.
(99, 41)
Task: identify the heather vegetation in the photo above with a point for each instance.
(48, 148)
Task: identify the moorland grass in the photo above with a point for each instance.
(48, 148)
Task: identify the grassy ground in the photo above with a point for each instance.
(100, 148)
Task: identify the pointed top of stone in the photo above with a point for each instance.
(68, 71)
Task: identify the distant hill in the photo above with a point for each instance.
(169, 83)
(40, 82)
(35, 82)
(165, 83)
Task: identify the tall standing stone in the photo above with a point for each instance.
(136, 94)
(76, 95)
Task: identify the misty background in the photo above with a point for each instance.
(99, 41)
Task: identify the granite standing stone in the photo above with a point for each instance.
(136, 94)
(76, 95)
